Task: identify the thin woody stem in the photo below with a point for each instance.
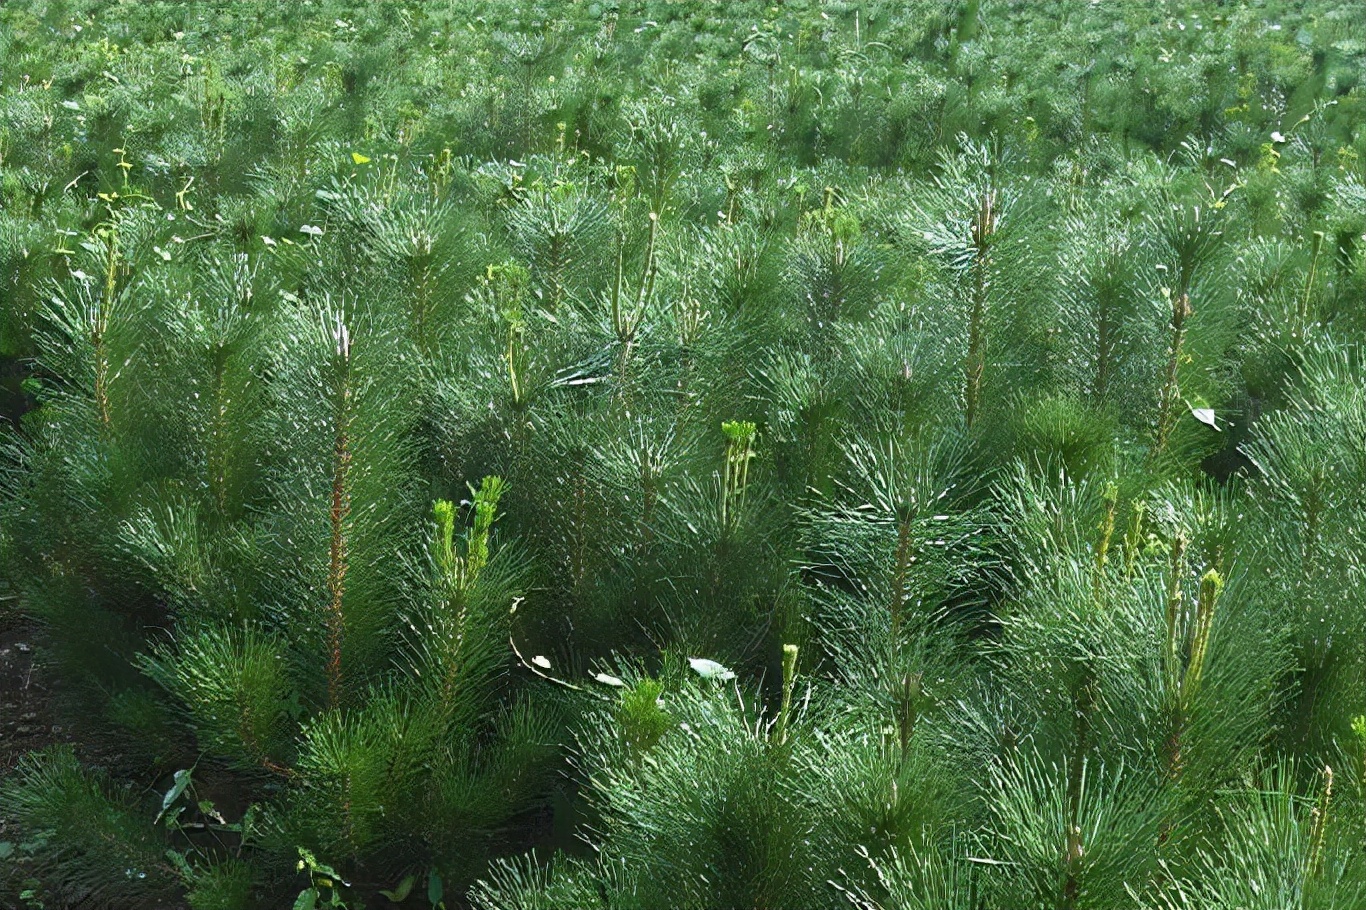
(339, 515)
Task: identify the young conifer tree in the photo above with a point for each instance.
(790, 456)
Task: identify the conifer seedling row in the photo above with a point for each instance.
(652, 454)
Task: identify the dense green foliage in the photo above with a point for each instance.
(637, 455)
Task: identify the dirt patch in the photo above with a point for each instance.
(28, 717)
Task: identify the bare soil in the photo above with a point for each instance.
(28, 716)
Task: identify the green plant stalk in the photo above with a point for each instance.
(649, 497)
(443, 513)
(1314, 507)
(450, 579)
(458, 574)
(1318, 831)
(212, 105)
(689, 318)
(1359, 728)
(727, 485)
(1211, 585)
(419, 277)
(443, 165)
(124, 165)
(837, 253)
(1309, 281)
(99, 331)
(904, 557)
(339, 516)
(1104, 352)
(1171, 392)
(907, 710)
(742, 485)
(485, 514)
(557, 259)
(789, 682)
(514, 355)
(739, 450)
(647, 284)
(218, 454)
(618, 320)
(1174, 598)
(627, 324)
(1106, 330)
(1107, 533)
(1083, 705)
(1172, 654)
(577, 532)
(1132, 539)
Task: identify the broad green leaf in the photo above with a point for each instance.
(181, 781)
(400, 893)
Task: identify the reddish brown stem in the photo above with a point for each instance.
(984, 227)
(337, 563)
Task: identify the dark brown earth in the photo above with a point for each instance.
(27, 714)
(27, 701)
(32, 716)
